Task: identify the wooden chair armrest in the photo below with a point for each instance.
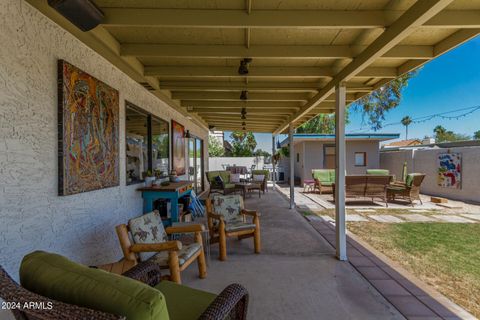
(252, 213)
(216, 216)
(161, 246)
(194, 227)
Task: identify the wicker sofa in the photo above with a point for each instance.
(46, 277)
(367, 186)
(224, 186)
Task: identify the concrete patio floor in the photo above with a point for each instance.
(296, 276)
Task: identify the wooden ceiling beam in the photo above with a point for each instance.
(235, 96)
(266, 105)
(267, 52)
(216, 18)
(414, 17)
(191, 72)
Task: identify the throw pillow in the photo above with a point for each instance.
(258, 177)
(147, 229)
(234, 177)
(218, 180)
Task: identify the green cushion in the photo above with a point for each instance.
(229, 185)
(58, 278)
(265, 173)
(409, 179)
(378, 172)
(225, 176)
(184, 303)
(325, 176)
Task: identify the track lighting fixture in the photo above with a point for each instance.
(244, 95)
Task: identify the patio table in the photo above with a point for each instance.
(247, 186)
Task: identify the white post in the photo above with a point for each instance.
(274, 175)
(340, 228)
(292, 166)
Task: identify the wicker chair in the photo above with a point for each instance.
(263, 183)
(409, 190)
(227, 218)
(231, 303)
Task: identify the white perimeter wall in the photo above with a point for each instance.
(32, 216)
(425, 161)
(215, 163)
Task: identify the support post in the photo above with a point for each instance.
(274, 174)
(292, 166)
(340, 227)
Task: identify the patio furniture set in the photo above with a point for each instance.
(73, 291)
(376, 183)
(226, 182)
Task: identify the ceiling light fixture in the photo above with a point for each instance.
(244, 95)
(244, 113)
(243, 68)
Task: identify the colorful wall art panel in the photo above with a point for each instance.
(88, 135)
(178, 147)
(450, 170)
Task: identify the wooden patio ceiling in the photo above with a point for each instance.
(188, 52)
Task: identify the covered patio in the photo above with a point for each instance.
(177, 70)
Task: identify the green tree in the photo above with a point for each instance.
(261, 153)
(406, 121)
(476, 135)
(377, 104)
(215, 147)
(243, 143)
(444, 135)
(322, 123)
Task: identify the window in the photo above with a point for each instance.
(329, 156)
(360, 159)
(298, 157)
(147, 144)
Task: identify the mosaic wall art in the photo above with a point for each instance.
(88, 135)
(450, 170)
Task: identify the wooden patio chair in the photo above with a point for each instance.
(151, 244)
(409, 190)
(227, 217)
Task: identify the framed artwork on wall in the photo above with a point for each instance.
(88, 132)
(450, 170)
(178, 148)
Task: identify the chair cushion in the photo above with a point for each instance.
(409, 179)
(325, 176)
(147, 229)
(229, 185)
(183, 302)
(229, 206)
(238, 226)
(234, 177)
(265, 173)
(225, 176)
(378, 172)
(184, 254)
(58, 278)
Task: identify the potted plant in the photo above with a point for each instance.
(149, 178)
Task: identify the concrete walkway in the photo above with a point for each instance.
(296, 276)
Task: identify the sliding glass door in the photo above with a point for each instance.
(195, 163)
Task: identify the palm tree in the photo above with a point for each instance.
(406, 121)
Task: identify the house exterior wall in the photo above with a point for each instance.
(216, 163)
(425, 161)
(311, 156)
(33, 216)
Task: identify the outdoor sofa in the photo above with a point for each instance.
(220, 182)
(367, 186)
(68, 290)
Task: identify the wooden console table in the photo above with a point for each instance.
(172, 192)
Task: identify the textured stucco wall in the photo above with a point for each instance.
(32, 216)
(373, 156)
(425, 161)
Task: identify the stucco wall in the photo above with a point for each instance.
(425, 161)
(216, 163)
(32, 216)
(373, 156)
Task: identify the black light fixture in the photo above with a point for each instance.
(244, 113)
(84, 14)
(243, 68)
(243, 124)
(187, 134)
(244, 95)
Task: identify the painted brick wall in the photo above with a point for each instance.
(32, 216)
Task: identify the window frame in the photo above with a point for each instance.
(150, 117)
(364, 159)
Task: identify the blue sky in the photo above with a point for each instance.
(449, 82)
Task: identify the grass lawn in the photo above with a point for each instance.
(444, 255)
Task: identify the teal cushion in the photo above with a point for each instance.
(185, 303)
(58, 278)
